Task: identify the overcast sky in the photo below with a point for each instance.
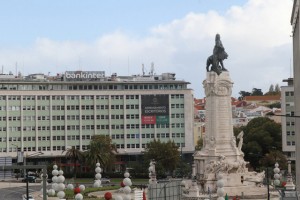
(176, 35)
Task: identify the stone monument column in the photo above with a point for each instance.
(218, 124)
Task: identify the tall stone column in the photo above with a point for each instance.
(219, 130)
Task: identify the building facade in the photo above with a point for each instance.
(50, 114)
(288, 123)
(296, 68)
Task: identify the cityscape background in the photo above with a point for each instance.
(112, 36)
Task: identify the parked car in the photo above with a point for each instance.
(30, 179)
(105, 180)
(29, 197)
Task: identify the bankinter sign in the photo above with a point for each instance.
(155, 109)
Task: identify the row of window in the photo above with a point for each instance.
(77, 107)
(46, 138)
(84, 147)
(290, 123)
(88, 137)
(85, 127)
(83, 97)
(289, 93)
(290, 133)
(290, 143)
(91, 87)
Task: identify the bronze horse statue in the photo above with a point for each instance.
(216, 66)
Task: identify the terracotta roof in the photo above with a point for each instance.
(262, 98)
(198, 107)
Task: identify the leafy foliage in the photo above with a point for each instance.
(261, 136)
(101, 150)
(166, 156)
(199, 144)
(256, 92)
(75, 155)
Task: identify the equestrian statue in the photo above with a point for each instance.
(216, 60)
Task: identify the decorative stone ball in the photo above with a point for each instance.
(126, 175)
(55, 172)
(150, 174)
(276, 170)
(108, 195)
(76, 190)
(51, 192)
(276, 165)
(182, 184)
(42, 190)
(118, 197)
(98, 170)
(220, 183)
(277, 176)
(61, 186)
(82, 188)
(54, 186)
(150, 169)
(122, 184)
(96, 184)
(127, 197)
(276, 182)
(61, 194)
(70, 186)
(78, 196)
(54, 179)
(220, 192)
(97, 164)
(60, 179)
(221, 198)
(54, 166)
(61, 172)
(127, 182)
(127, 189)
(98, 176)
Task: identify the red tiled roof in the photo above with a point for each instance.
(262, 98)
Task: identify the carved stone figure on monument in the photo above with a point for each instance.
(216, 60)
(233, 142)
(240, 137)
(212, 142)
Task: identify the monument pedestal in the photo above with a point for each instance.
(220, 152)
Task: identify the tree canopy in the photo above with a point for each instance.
(75, 155)
(262, 136)
(101, 150)
(165, 154)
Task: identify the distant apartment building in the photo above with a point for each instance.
(50, 114)
(288, 123)
(199, 119)
(262, 100)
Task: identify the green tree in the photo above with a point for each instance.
(101, 150)
(273, 157)
(271, 89)
(277, 89)
(256, 92)
(199, 145)
(75, 155)
(243, 94)
(165, 154)
(261, 136)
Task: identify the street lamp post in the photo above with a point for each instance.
(26, 173)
